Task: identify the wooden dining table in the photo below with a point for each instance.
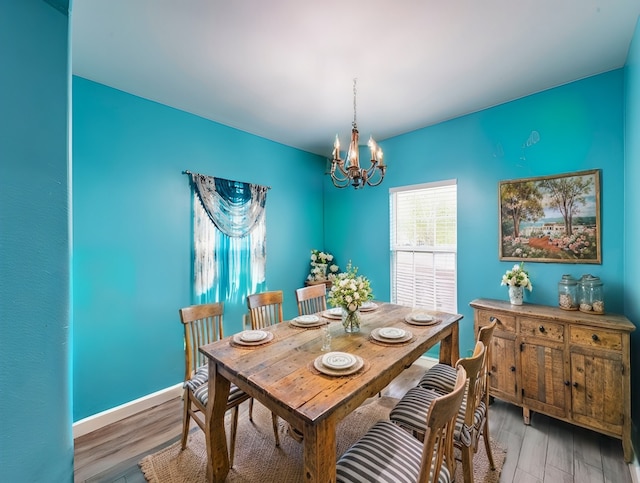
(281, 375)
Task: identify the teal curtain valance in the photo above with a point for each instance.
(234, 207)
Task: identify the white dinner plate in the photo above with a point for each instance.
(391, 333)
(375, 335)
(418, 317)
(320, 367)
(368, 306)
(253, 335)
(334, 313)
(338, 360)
(307, 319)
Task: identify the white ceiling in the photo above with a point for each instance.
(284, 69)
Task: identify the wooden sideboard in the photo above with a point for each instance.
(565, 364)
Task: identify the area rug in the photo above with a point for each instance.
(257, 458)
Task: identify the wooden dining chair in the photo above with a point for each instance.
(203, 325)
(312, 299)
(410, 410)
(441, 378)
(265, 309)
(388, 453)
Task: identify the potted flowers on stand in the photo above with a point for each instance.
(517, 279)
(350, 291)
(323, 266)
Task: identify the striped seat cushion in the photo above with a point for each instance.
(199, 378)
(386, 453)
(411, 414)
(442, 379)
(202, 394)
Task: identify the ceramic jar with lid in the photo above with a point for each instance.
(591, 295)
(568, 293)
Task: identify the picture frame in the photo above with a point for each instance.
(535, 215)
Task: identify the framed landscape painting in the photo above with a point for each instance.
(551, 218)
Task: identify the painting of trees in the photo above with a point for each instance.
(521, 202)
(567, 195)
(551, 218)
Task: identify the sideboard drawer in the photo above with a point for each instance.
(542, 329)
(593, 337)
(505, 322)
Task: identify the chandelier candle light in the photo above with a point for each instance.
(348, 170)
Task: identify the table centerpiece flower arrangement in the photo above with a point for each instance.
(323, 266)
(517, 279)
(350, 291)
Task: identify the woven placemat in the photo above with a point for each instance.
(391, 344)
(236, 345)
(365, 367)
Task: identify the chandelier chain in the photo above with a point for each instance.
(354, 102)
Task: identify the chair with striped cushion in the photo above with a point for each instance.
(203, 325)
(312, 299)
(441, 378)
(410, 410)
(387, 453)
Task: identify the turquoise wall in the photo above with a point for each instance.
(36, 443)
(632, 215)
(580, 127)
(132, 234)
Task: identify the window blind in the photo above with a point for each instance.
(423, 245)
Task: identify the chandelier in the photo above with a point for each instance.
(348, 172)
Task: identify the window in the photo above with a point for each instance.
(423, 246)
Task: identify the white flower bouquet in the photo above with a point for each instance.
(517, 277)
(350, 290)
(322, 266)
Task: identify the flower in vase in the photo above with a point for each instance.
(517, 277)
(350, 290)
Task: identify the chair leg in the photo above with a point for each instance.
(185, 419)
(274, 421)
(467, 463)
(251, 409)
(232, 439)
(487, 443)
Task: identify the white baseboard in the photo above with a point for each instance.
(97, 421)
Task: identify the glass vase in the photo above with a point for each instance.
(351, 320)
(515, 295)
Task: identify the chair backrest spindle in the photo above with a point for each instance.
(312, 299)
(265, 308)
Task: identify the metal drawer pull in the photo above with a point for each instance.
(594, 337)
(541, 328)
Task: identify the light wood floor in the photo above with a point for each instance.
(547, 451)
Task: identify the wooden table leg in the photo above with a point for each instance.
(449, 346)
(215, 435)
(320, 451)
